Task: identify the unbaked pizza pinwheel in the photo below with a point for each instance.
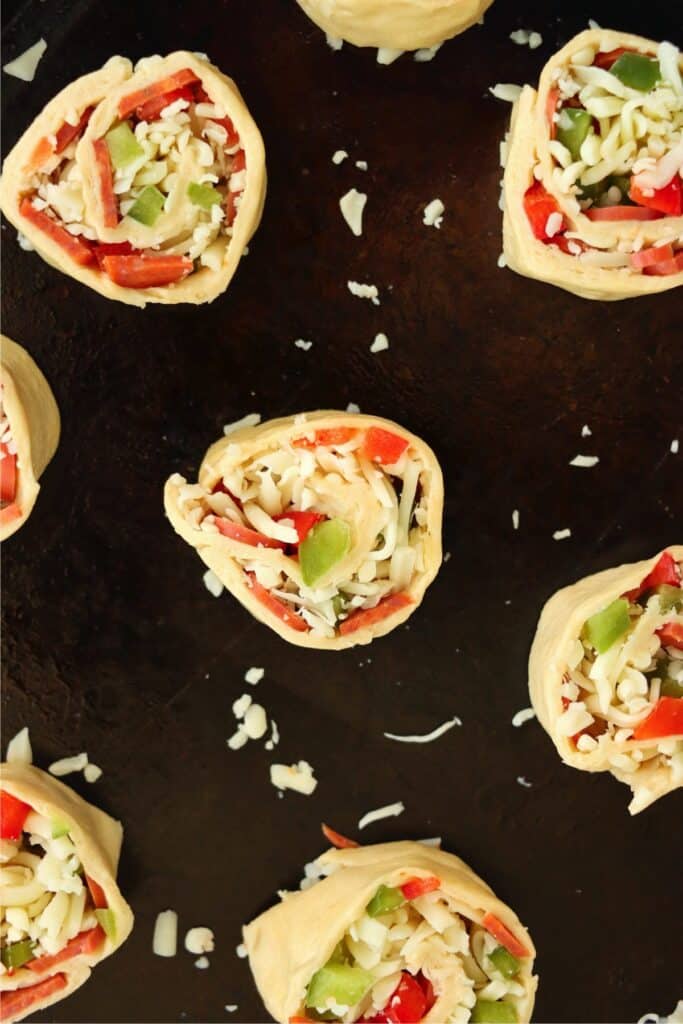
(326, 525)
(606, 674)
(29, 433)
(144, 183)
(394, 25)
(394, 934)
(593, 196)
(61, 909)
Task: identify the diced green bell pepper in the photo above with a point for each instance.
(105, 918)
(572, 129)
(324, 546)
(344, 984)
(384, 901)
(147, 206)
(671, 687)
(124, 148)
(203, 195)
(606, 627)
(637, 71)
(340, 954)
(670, 598)
(59, 828)
(488, 1011)
(505, 962)
(17, 954)
(338, 605)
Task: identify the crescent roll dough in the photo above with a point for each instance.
(606, 674)
(326, 525)
(29, 433)
(61, 922)
(145, 182)
(394, 24)
(395, 922)
(593, 197)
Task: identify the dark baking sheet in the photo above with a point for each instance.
(111, 642)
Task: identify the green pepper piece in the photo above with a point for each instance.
(487, 1011)
(345, 984)
(505, 962)
(572, 129)
(384, 901)
(606, 627)
(338, 605)
(107, 920)
(17, 954)
(637, 71)
(124, 148)
(340, 954)
(203, 195)
(670, 598)
(671, 688)
(324, 546)
(147, 206)
(59, 828)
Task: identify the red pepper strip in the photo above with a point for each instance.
(243, 535)
(8, 475)
(68, 132)
(607, 59)
(428, 989)
(648, 257)
(415, 887)
(665, 719)
(337, 839)
(40, 155)
(550, 109)
(150, 110)
(105, 174)
(13, 814)
(303, 521)
(504, 936)
(538, 206)
(667, 267)
(86, 943)
(278, 608)
(382, 446)
(406, 1005)
(563, 243)
(328, 436)
(622, 213)
(141, 271)
(668, 200)
(79, 251)
(127, 104)
(103, 249)
(97, 893)
(671, 635)
(9, 513)
(239, 162)
(233, 138)
(370, 616)
(665, 571)
(300, 1020)
(16, 1003)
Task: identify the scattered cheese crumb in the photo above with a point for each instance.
(433, 214)
(427, 53)
(67, 765)
(255, 722)
(523, 37)
(241, 705)
(254, 675)
(584, 461)
(674, 447)
(304, 345)
(252, 419)
(199, 940)
(562, 534)
(554, 224)
(364, 291)
(24, 66)
(525, 715)
(362, 165)
(19, 748)
(432, 841)
(352, 407)
(25, 243)
(502, 262)
(380, 344)
(352, 205)
(593, 24)
(515, 519)
(202, 963)
(505, 91)
(274, 735)
(212, 583)
(426, 737)
(165, 939)
(535, 40)
(241, 951)
(230, 1007)
(523, 781)
(386, 55)
(238, 739)
(339, 156)
(333, 42)
(390, 811)
(298, 777)
(586, 430)
(92, 772)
